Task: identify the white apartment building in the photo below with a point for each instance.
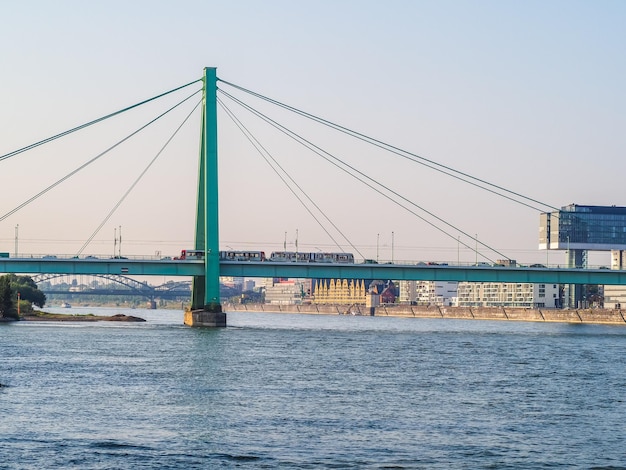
(231, 281)
(499, 294)
(440, 293)
(615, 296)
(286, 291)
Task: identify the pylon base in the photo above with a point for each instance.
(203, 318)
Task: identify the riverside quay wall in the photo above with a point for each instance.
(466, 313)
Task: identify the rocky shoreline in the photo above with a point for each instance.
(42, 316)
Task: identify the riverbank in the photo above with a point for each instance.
(599, 316)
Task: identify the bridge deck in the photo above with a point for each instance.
(138, 267)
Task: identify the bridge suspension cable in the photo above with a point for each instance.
(275, 166)
(353, 172)
(95, 121)
(86, 164)
(132, 186)
(462, 176)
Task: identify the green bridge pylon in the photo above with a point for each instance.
(206, 309)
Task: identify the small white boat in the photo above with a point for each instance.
(65, 305)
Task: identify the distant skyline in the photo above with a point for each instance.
(526, 95)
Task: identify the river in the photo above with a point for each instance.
(311, 391)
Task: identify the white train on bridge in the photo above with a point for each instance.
(276, 256)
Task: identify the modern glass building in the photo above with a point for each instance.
(579, 229)
(574, 227)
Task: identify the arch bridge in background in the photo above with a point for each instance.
(169, 290)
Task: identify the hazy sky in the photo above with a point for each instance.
(528, 95)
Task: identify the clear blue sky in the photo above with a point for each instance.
(528, 95)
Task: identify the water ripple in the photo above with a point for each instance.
(307, 392)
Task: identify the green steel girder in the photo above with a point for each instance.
(111, 267)
(424, 273)
(316, 270)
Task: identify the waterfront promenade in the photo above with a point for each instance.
(600, 316)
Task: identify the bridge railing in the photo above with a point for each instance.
(159, 257)
(88, 257)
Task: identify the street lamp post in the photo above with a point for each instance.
(377, 244)
(476, 250)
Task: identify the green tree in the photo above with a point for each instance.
(27, 289)
(6, 299)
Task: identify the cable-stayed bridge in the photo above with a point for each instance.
(206, 272)
(195, 268)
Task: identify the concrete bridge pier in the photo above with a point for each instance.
(201, 317)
